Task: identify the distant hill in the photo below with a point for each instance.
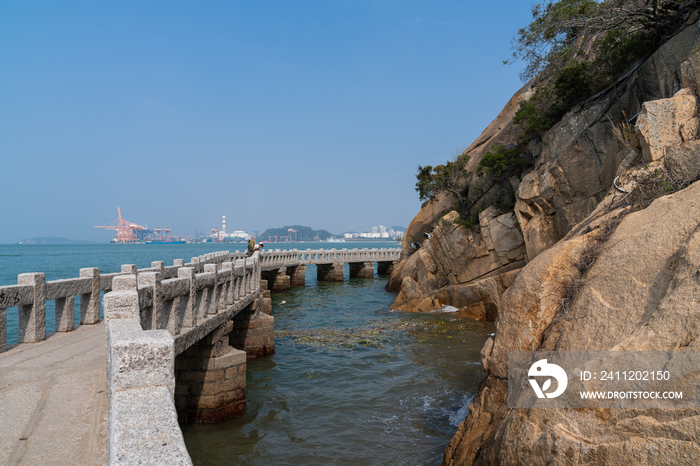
(303, 233)
(53, 240)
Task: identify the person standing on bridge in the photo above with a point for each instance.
(251, 246)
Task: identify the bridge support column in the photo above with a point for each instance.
(277, 280)
(254, 330)
(211, 378)
(385, 267)
(330, 272)
(297, 275)
(361, 269)
(265, 297)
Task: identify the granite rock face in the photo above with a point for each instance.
(634, 299)
(423, 223)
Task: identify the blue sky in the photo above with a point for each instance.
(272, 112)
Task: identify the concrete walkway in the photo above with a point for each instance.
(53, 401)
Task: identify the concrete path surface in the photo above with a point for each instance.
(53, 401)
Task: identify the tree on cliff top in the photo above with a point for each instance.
(566, 30)
(579, 48)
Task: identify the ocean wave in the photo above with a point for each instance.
(458, 416)
(446, 309)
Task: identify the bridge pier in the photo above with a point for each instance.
(277, 280)
(211, 374)
(211, 378)
(297, 275)
(254, 330)
(330, 272)
(266, 299)
(385, 267)
(361, 269)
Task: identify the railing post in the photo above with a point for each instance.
(212, 297)
(130, 269)
(32, 317)
(227, 291)
(239, 273)
(244, 285)
(90, 302)
(190, 317)
(65, 313)
(152, 279)
(159, 266)
(3, 329)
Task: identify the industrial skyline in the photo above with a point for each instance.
(130, 232)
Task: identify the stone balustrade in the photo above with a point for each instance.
(32, 291)
(178, 336)
(283, 270)
(140, 383)
(174, 282)
(149, 322)
(275, 259)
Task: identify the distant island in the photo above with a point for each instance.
(53, 240)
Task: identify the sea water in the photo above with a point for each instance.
(350, 383)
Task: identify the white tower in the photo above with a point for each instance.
(223, 224)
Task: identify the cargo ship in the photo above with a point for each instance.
(164, 236)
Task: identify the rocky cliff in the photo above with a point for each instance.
(588, 200)
(641, 293)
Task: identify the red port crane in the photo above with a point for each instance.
(126, 231)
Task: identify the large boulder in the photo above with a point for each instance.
(667, 122)
(461, 259)
(415, 235)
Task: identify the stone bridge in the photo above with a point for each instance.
(177, 337)
(283, 270)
